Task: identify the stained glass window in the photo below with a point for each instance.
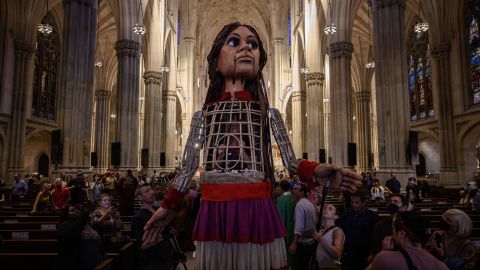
(289, 28)
(45, 75)
(419, 77)
(474, 50)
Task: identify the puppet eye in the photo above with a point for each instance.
(233, 42)
(252, 44)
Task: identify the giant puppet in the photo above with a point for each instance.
(238, 225)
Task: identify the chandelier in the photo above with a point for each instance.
(139, 28)
(304, 70)
(164, 68)
(420, 27)
(370, 62)
(331, 28)
(45, 28)
(98, 63)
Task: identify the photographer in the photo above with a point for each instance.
(404, 250)
(450, 244)
(107, 221)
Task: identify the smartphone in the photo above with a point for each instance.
(438, 239)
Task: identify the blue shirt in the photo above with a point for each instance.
(19, 188)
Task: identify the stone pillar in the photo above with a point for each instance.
(315, 113)
(362, 103)
(277, 69)
(190, 86)
(391, 83)
(127, 104)
(153, 118)
(170, 97)
(102, 98)
(341, 101)
(170, 125)
(298, 98)
(444, 113)
(78, 67)
(21, 106)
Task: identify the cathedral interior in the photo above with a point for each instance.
(378, 85)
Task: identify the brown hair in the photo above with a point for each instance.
(255, 87)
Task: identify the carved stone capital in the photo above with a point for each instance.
(277, 41)
(314, 78)
(170, 95)
(152, 77)
(23, 48)
(298, 96)
(441, 50)
(126, 47)
(341, 49)
(189, 39)
(102, 94)
(362, 95)
(388, 3)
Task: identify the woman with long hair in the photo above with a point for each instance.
(238, 225)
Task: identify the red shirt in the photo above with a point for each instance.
(60, 197)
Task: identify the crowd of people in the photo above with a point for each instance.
(351, 236)
(346, 235)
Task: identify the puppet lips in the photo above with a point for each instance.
(245, 59)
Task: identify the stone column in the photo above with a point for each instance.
(315, 122)
(341, 101)
(170, 125)
(298, 97)
(21, 107)
(153, 118)
(78, 67)
(391, 84)
(127, 104)
(362, 103)
(444, 113)
(190, 86)
(277, 69)
(102, 98)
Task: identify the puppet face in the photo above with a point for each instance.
(240, 55)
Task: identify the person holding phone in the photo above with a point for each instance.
(451, 244)
(106, 220)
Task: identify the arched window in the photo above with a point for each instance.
(45, 75)
(474, 47)
(419, 77)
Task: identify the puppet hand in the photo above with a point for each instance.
(341, 178)
(154, 227)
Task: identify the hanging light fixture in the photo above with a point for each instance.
(420, 27)
(98, 63)
(139, 28)
(304, 70)
(331, 28)
(370, 62)
(164, 68)
(45, 28)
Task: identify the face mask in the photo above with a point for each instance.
(392, 208)
(444, 225)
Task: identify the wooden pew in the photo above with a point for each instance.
(27, 261)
